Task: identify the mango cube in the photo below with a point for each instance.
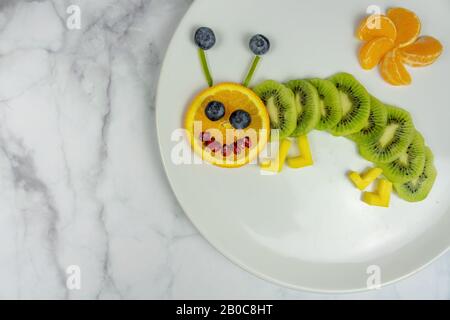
(381, 197)
(305, 157)
(364, 180)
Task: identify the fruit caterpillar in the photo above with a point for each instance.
(234, 121)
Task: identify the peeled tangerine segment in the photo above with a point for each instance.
(364, 180)
(421, 53)
(372, 51)
(376, 26)
(393, 71)
(305, 157)
(276, 165)
(407, 24)
(381, 197)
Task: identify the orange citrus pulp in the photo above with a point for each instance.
(375, 26)
(393, 71)
(392, 40)
(372, 51)
(407, 24)
(224, 145)
(423, 52)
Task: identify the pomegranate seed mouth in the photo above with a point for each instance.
(226, 150)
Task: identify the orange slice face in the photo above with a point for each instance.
(372, 51)
(393, 71)
(217, 141)
(421, 53)
(407, 24)
(376, 26)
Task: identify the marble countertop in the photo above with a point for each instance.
(85, 207)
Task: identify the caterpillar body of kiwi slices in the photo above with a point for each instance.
(418, 189)
(384, 134)
(390, 143)
(306, 102)
(355, 104)
(409, 165)
(280, 104)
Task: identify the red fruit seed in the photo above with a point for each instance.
(236, 148)
(247, 142)
(214, 146)
(226, 150)
(205, 136)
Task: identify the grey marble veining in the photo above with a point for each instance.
(80, 173)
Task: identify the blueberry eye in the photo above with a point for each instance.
(240, 119)
(215, 110)
(259, 44)
(205, 38)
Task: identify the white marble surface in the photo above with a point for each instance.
(80, 174)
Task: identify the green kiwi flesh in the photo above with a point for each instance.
(375, 123)
(355, 103)
(307, 106)
(393, 140)
(409, 165)
(280, 104)
(418, 189)
(330, 110)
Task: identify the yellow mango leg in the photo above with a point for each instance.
(276, 164)
(381, 197)
(305, 157)
(364, 180)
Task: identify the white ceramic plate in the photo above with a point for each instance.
(308, 228)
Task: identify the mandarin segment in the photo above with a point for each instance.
(423, 52)
(375, 26)
(407, 24)
(393, 71)
(392, 41)
(372, 51)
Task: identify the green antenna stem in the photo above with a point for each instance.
(250, 73)
(205, 67)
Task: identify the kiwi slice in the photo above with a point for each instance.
(330, 110)
(280, 104)
(393, 140)
(418, 189)
(355, 103)
(307, 106)
(410, 163)
(375, 123)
